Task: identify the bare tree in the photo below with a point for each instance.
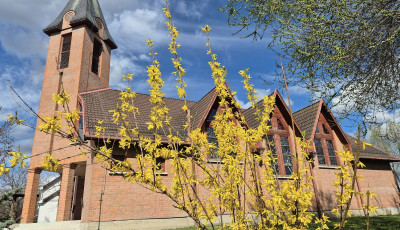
(6, 139)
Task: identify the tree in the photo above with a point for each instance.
(344, 51)
(6, 139)
(11, 198)
(387, 138)
(13, 182)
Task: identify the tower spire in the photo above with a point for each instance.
(84, 12)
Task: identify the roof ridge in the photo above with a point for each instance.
(95, 91)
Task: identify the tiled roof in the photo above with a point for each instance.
(370, 152)
(97, 105)
(305, 117)
(199, 110)
(251, 119)
(86, 12)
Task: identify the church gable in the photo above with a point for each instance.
(281, 113)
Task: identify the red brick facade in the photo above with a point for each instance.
(120, 200)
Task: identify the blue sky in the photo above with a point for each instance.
(23, 48)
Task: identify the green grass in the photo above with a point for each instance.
(375, 223)
(358, 223)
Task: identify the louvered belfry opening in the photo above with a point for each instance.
(97, 48)
(66, 47)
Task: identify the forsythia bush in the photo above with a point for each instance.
(243, 184)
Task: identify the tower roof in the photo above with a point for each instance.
(86, 12)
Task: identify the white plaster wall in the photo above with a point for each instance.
(47, 211)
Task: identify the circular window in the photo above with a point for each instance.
(99, 23)
(69, 15)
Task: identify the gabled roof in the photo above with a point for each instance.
(370, 152)
(200, 110)
(86, 12)
(97, 105)
(306, 118)
(253, 121)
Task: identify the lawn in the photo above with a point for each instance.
(353, 223)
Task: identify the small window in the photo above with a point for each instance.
(287, 156)
(117, 158)
(212, 139)
(320, 151)
(280, 125)
(331, 153)
(80, 108)
(326, 131)
(211, 115)
(65, 50)
(80, 130)
(160, 164)
(271, 146)
(317, 130)
(97, 49)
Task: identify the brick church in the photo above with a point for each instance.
(78, 60)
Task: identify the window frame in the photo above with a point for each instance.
(277, 133)
(118, 157)
(96, 58)
(324, 137)
(65, 53)
(81, 122)
(209, 124)
(160, 165)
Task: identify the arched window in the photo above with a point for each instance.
(324, 145)
(279, 142)
(211, 137)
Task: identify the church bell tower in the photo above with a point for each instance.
(78, 60)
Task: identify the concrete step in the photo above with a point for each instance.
(70, 225)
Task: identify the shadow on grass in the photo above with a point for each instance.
(375, 223)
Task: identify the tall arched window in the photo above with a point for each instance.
(280, 143)
(324, 147)
(211, 137)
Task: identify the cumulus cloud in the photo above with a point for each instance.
(121, 65)
(131, 29)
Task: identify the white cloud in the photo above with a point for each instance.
(121, 65)
(287, 102)
(29, 91)
(191, 8)
(297, 90)
(260, 92)
(263, 92)
(15, 42)
(24, 138)
(144, 57)
(243, 105)
(131, 29)
(383, 116)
